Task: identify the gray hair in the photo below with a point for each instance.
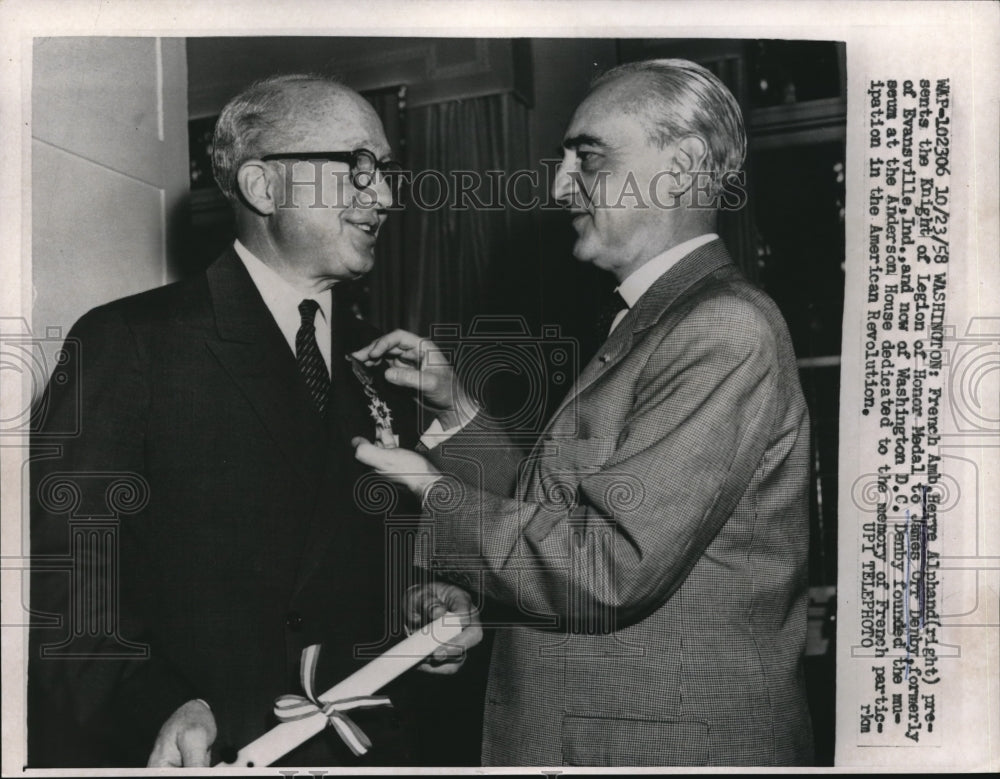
(681, 98)
(258, 114)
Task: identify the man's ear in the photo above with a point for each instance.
(257, 187)
(688, 160)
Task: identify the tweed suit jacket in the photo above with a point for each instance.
(649, 554)
(242, 542)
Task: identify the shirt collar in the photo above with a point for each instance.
(281, 298)
(641, 279)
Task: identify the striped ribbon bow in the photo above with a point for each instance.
(288, 708)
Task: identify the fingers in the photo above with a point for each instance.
(394, 461)
(396, 343)
(195, 748)
(366, 452)
(425, 382)
(459, 602)
(457, 647)
(402, 466)
(446, 659)
(472, 628)
(386, 438)
(405, 377)
(374, 456)
(454, 599)
(186, 738)
(473, 632)
(159, 758)
(425, 603)
(449, 657)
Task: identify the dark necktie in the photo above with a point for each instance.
(607, 313)
(310, 360)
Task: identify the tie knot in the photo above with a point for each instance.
(613, 303)
(307, 310)
(607, 312)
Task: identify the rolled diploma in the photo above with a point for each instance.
(283, 738)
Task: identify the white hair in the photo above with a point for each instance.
(679, 98)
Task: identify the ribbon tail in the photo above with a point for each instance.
(289, 708)
(350, 733)
(359, 702)
(307, 669)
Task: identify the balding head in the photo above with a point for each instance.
(272, 114)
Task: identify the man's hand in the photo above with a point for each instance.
(417, 363)
(425, 603)
(402, 466)
(185, 740)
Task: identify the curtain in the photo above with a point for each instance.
(381, 296)
(455, 253)
(441, 259)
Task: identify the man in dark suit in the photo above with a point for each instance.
(653, 545)
(207, 498)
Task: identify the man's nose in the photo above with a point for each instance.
(564, 185)
(377, 194)
(384, 189)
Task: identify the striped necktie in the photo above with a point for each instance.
(310, 360)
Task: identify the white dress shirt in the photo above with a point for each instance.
(282, 300)
(641, 279)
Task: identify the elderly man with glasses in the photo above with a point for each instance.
(227, 402)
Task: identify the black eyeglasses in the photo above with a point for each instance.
(364, 165)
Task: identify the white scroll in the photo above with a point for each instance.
(285, 737)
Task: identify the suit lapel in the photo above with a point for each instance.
(647, 311)
(253, 351)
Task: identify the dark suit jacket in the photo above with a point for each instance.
(235, 537)
(654, 546)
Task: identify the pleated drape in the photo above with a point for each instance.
(443, 252)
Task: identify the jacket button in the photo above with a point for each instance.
(293, 620)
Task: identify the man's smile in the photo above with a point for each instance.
(370, 227)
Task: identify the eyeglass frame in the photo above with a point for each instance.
(383, 168)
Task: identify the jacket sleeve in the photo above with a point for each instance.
(98, 691)
(618, 537)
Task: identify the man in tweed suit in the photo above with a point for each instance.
(651, 550)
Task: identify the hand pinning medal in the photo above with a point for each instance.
(378, 408)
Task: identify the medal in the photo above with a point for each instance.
(378, 408)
